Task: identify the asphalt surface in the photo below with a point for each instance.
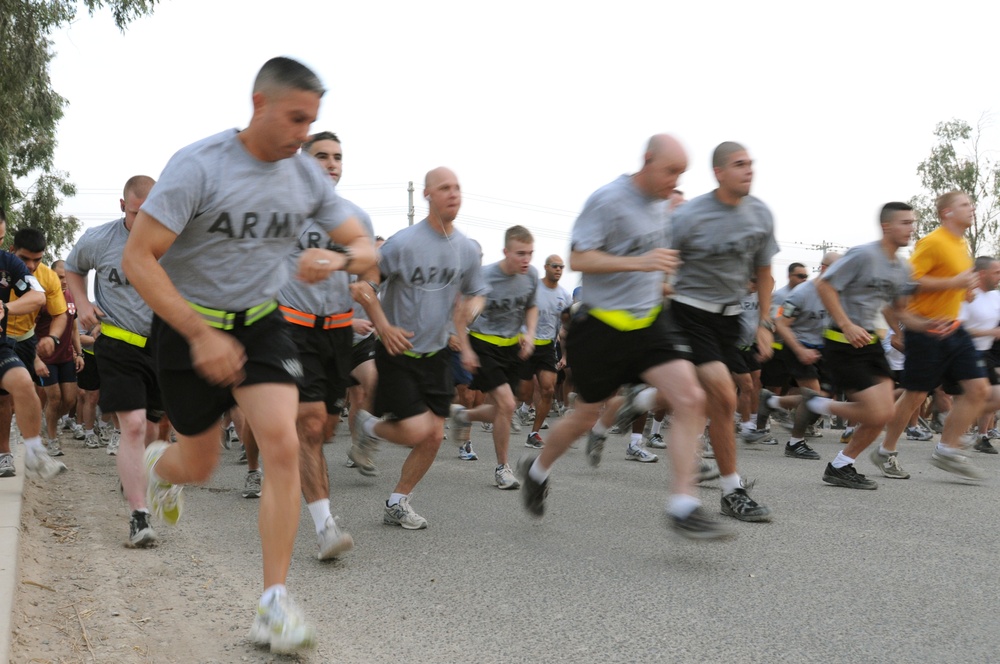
(905, 573)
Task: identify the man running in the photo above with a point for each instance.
(208, 253)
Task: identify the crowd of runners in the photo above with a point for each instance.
(240, 300)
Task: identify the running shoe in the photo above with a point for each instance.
(699, 526)
(504, 478)
(466, 453)
(740, 505)
(958, 464)
(165, 500)
(363, 446)
(534, 441)
(54, 448)
(332, 541)
(532, 493)
(40, 465)
(487, 426)
(848, 477)
(281, 626)
(918, 433)
(140, 533)
(985, 446)
(656, 441)
(7, 465)
(252, 484)
(636, 453)
(802, 416)
(629, 412)
(845, 437)
(706, 472)
(78, 432)
(888, 464)
(595, 447)
(91, 441)
(800, 451)
(753, 436)
(523, 418)
(401, 514)
(114, 443)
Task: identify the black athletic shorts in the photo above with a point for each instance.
(409, 386)
(129, 378)
(746, 360)
(26, 350)
(543, 359)
(712, 337)
(932, 360)
(774, 372)
(193, 404)
(9, 358)
(64, 372)
(363, 351)
(326, 359)
(605, 358)
(798, 371)
(853, 369)
(89, 379)
(497, 365)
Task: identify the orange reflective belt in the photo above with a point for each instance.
(333, 321)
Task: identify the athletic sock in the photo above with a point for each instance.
(636, 440)
(884, 452)
(730, 483)
(841, 460)
(34, 445)
(320, 511)
(655, 429)
(646, 399)
(681, 505)
(369, 426)
(819, 405)
(792, 442)
(537, 473)
(394, 499)
(774, 402)
(940, 449)
(599, 428)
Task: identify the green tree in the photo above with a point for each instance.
(30, 186)
(959, 161)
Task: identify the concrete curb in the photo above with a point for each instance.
(10, 532)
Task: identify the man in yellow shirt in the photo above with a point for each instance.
(938, 349)
(29, 245)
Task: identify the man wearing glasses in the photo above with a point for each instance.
(551, 299)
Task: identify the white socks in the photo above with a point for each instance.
(320, 511)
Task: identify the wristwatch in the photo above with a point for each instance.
(55, 339)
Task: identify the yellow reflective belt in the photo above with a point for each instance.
(777, 345)
(226, 320)
(410, 353)
(625, 321)
(543, 342)
(121, 334)
(496, 341)
(89, 351)
(835, 335)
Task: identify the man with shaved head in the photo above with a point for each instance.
(621, 334)
(431, 277)
(724, 238)
(551, 300)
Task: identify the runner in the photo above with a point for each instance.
(208, 253)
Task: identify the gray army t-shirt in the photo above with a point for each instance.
(100, 249)
(749, 320)
(332, 295)
(551, 302)
(237, 218)
(807, 314)
(867, 281)
(509, 296)
(721, 246)
(423, 272)
(619, 219)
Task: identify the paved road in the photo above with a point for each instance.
(906, 573)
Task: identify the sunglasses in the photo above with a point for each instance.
(554, 266)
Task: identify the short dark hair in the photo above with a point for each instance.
(889, 209)
(320, 136)
(284, 72)
(984, 262)
(793, 267)
(30, 239)
(721, 154)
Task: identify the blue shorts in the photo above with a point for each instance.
(932, 360)
(64, 372)
(459, 373)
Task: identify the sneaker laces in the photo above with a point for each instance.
(892, 463)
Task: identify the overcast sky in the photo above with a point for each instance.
(536, 104)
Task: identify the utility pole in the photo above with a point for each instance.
(410, 213)
(823, 247)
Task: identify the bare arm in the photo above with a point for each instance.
(765, 284)
(28, 303)
(527, 340)
(88, 312)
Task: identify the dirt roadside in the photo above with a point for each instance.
(82, 596)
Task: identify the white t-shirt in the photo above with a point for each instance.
(983, 313)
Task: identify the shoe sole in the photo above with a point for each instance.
(813, 457)
(752, 518)
(945, 466)
(392, 522)
(641, 459)
(145, 540)
(876, 460)
(836, 481)
(509, 487)
(172, 516)
(262, 636)
(720, 535)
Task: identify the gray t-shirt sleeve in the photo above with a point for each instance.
(177, 196)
